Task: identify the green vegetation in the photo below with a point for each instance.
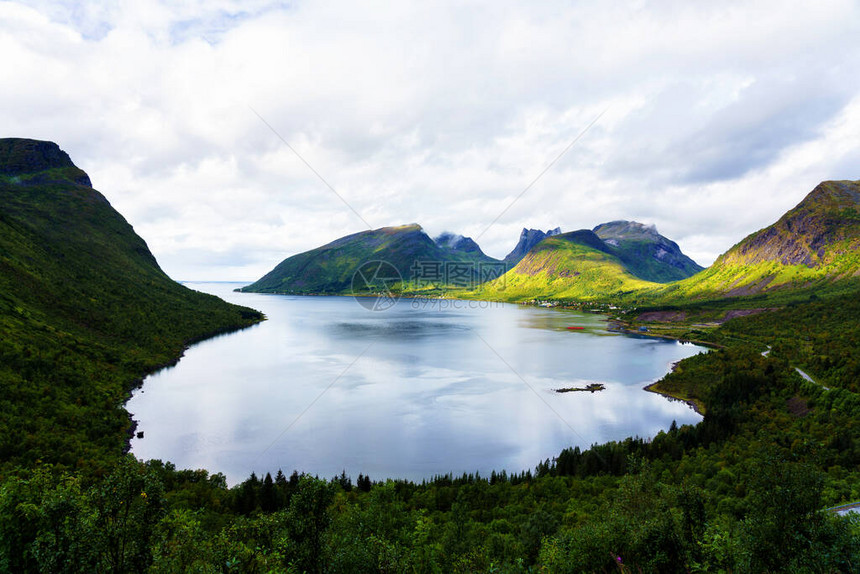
(742, 491)
(820, 336)
(646, 253)
(576, 265)
(814, 247)
(632, 258)
(811, 247)
(85, 312)
(421, 265)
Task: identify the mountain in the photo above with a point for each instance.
(448, 240)
(528, 239)
(616, 258)
(85, 311)
(379, 260)
(814, 245)
(646, 253)
(574, 265)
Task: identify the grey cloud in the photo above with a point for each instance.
(753, 132)
(437, 113)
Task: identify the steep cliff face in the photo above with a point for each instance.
(37, 162)
(528, 239)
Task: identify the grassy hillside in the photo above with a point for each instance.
(632, 256)
(812, 247)
(419, 261)
(85, 312)
(812, 250)
(576, 265)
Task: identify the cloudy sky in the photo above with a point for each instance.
(717, 117)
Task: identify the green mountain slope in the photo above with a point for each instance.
(816, 245)
(418, 261)
(574, 265)
(646, 253)
(85, 311)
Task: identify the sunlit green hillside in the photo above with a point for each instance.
(815, 245)
(814, 248)
(576, 265)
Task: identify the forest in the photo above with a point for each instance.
(86, 312)
(743, 491)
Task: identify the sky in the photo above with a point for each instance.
(234, 134)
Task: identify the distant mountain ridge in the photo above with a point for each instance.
(572, 265)
(448, 240)
(615, 258)
(631, 249)
(816, 243)
(419, 262)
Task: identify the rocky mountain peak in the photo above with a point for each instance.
(528, 239)
(25, 157)
(457, 242)
(621, 229)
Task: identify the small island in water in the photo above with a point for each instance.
(590, 388)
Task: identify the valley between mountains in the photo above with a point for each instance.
(86, 312)
(813, 248)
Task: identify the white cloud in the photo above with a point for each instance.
(720, 116)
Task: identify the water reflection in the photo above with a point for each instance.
(410, 392)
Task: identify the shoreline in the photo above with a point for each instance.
(617, 326)
(137, 384)
(603, 321)
(614, 325)
(697, 406)
(651, 388)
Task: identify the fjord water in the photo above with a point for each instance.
(422, 388)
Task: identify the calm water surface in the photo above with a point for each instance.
(423, 388)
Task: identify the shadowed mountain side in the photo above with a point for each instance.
(407, 248)
(528, 239)
(647, 254)
(85, 311)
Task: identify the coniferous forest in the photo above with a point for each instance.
(86, 312)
